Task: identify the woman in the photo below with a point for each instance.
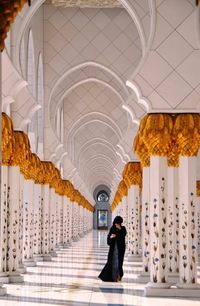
(113, 270)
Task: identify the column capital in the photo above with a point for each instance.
(132, 174)
(156, 133)
(141, 150)
(122, 188)
(198, 188)
(186, 132)
(8, 140)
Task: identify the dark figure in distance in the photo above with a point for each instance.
(113, 270)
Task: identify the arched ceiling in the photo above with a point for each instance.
(89, 55)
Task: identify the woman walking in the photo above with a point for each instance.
(113, 270)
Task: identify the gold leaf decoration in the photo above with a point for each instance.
(132, 174)
(198, 188)
(187, 134)
(8, 141)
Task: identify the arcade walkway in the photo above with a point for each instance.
(71, 279)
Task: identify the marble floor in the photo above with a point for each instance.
(71, 279)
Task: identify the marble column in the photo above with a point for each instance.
(85, 220)
(158, 224)
(65, 220)
(70, 221)
(13, 224)
(187, 223)
(37, 205)
(46, 222)
(134, 226)
(3, 209)
(57, 221)
(145, 219)
(5, 193)
(78, 219)
(75, 221)
(173, 221)
(53, 228)
(60, 220)
(28, 218)
(198, 226)
(81, 229)
(22, 268)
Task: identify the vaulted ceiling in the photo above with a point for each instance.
(89, 55)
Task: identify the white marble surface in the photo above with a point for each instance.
(71, 279)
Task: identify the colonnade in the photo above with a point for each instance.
(164, 219)
(40, 212)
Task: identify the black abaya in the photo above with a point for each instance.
(113, 269)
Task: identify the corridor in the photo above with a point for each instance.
(71, 279)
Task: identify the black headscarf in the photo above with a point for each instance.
(118, 220)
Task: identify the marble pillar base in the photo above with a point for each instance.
(133, 258)
(21, 269)
(66, 245)
(53, 254)
(156, 289)
(15, 278)
(4, 278)
(46, 257)
(29, 263)
(172, 292)
(144, 277)
(59, 247)
(2, 290)
(188, 286)
(38, 258)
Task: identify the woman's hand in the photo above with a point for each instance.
(112, 236)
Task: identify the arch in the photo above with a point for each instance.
(74, 86)
(123, 152)
(107, 177)
(40, 100)
(131, 114)
(141, 100)
(100, 156)
(22, 58)
(101, 144)
(125, 3)
(94, 141)
(30, 75)
(102, 163)
(81, 68)
(29, 116)
(130, 10)
(79, 124)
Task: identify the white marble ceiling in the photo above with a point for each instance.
(89, 54)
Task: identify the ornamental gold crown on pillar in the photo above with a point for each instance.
(141, 150)
(8, 141)
(157, 134)
(132, 174)
(22, 150)
(186, 132)
(8, 12)
(198, 188)
(122, 189)
(170, 135)
(16, 152)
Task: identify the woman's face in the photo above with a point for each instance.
(117, 225)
